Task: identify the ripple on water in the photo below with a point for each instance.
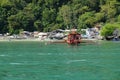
(73, 61)
(15, 63)
(3, 55)
(44, 53)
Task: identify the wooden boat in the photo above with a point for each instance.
(73, 38)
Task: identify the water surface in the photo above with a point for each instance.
(41, 61)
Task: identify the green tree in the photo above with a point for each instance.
(21, 21)
(108, 29)
(118, 18)
(109, 9)
(86, 20)
(100, 17)
(3, 20)
(38, 25)
(66, 14)
(47, 15)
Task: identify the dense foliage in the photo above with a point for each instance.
(109, 28)
(47, 15)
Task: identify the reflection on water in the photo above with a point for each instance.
(37, 61)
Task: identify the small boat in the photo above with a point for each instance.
(73, 38)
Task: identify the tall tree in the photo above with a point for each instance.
(3, 20)
(66, 14)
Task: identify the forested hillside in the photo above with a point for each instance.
(47, 15)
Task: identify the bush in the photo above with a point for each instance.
(107, 29)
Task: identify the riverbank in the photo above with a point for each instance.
(46, 40)
(19, 40)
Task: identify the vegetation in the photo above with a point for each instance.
(47, 15)
(109, 28)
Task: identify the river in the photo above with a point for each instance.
(45, 61)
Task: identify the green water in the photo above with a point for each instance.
(40, 61)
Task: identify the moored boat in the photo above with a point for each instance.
(73, 38)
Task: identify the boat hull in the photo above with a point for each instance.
(73, 41)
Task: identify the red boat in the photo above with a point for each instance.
(73, 38)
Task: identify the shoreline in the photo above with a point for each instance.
(47, 40)
(19, 40)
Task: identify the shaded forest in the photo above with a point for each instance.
(48, 15)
